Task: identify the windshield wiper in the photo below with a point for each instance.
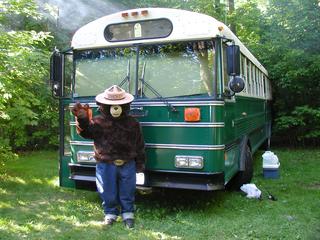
(127, 77)
(155, 92)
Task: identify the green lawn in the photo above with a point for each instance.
(32, 206)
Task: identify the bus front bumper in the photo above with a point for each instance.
(159, 178)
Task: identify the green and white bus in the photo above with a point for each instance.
(202, 99)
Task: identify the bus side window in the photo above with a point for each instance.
(244, 72)
(264, 85)
(249, 77)
(261, 84)
(257, 81)
(253, 80)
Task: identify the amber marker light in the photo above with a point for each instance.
(125, 14)
(192, 114)
(134, 14)
(220, 28)
(144, 12)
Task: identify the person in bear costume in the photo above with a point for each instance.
(118, 149)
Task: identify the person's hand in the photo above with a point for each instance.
(82, 111)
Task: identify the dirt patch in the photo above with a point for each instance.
(315, 186)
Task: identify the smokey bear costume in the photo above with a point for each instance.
(118, 148)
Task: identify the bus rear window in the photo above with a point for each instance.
(156, 28)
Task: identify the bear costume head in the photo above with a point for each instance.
(114, 103)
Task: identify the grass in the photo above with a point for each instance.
(32, 206)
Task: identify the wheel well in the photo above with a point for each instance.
(249, 144)
(244, 143)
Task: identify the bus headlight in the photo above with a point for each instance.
(181, 162)
(189, 162)
(84, 156)
(196, 162)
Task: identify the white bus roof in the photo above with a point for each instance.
(186, 26)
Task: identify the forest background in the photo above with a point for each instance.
(283, 34)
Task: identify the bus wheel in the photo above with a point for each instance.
(243, 177)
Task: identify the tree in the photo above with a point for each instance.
(293, 57)
(26, 111)
(231, 11)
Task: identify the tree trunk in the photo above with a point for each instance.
(231, 10)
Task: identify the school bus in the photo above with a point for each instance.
(202, 99)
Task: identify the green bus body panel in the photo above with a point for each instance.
(183, 135)
(244, 116)
(175, 135)
(64, 180)
(156, 132)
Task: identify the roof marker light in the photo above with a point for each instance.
(124, 14)
(144, 12)
(134, 14)
(220, 28)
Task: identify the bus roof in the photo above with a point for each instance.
(187, 26)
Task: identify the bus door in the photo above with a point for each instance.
(61, 75)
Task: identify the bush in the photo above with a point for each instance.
(28, 116)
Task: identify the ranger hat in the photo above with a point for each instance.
(114, 95)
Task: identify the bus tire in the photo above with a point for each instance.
(245, 176)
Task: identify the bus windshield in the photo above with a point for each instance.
(97, 70)
(172, 70)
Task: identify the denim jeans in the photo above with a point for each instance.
(116, 186)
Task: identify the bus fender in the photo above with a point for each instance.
(243, 145)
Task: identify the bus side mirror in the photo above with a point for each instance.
(56, 73)
(236, 84)
(233, 60)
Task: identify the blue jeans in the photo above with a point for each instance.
(116, 186)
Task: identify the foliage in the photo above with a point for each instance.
(5, 154)
(284, 38)
(214, 8)
(33, 207)
(249, 24)
(293, 59)
(27, 114)
(303, 123)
